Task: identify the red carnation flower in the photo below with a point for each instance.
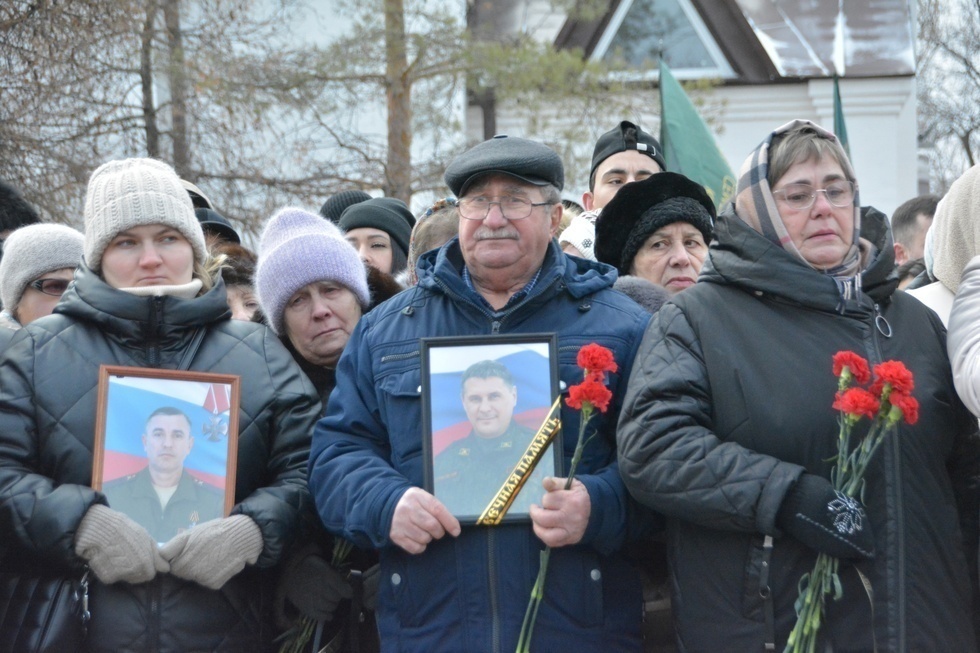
(907, 404)
(592, 391)
(857, 366)
(857, 402)
(595, 358)
(895, 374)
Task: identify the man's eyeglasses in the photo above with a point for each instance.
(513, 208)
(802, 196)
(53, 287)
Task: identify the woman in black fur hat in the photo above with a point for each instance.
(659, 229)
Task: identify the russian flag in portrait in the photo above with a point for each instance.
(529, 366)
(130, 402)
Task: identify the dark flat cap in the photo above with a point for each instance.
(529, 161)
(626, 136)
(213, 222)
(642, 207)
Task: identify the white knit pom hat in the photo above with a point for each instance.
(580, 234)
(132, 193)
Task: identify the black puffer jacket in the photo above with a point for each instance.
(730, 402)
(49, 377)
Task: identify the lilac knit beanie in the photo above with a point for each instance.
(298, 248)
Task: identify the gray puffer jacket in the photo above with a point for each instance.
(730, 402)
(49, 376)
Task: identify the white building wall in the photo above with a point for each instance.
(879, 114)
(880, 119)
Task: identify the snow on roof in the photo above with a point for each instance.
(807, 38)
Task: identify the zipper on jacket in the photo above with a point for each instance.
(765, 593)
(153, 350)
(881, 323)
(881, 326)
(893, 443)
(494, 612)
(153, 625)
(400, 357)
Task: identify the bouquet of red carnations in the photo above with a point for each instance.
(886, 402)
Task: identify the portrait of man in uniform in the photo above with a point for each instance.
(164, 497)
(468, 473)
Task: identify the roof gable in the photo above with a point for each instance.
(861, 38)
(764, 40)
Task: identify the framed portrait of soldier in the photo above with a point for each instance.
(491, 424)
(166, 446)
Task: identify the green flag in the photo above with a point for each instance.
(840, 129)
(689, 146)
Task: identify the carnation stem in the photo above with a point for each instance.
(537, 591)
(803, 638)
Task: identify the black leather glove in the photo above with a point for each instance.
(825, 520)
(312, 586)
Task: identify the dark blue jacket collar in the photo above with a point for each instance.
(443, 267)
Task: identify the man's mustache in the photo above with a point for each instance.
(504, 233)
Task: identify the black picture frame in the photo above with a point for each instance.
(477, 446)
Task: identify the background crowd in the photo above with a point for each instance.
(702, 500)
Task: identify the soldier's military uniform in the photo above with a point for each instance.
(469, 472)
(193, 502)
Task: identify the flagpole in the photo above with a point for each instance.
(840, 129)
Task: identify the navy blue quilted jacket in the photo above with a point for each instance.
(470, 593)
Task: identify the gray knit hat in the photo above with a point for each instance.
(132, 193)
(30, 252)
(298, 248)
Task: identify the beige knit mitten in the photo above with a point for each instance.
(116, 548)
(211, 553)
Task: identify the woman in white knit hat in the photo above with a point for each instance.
(147, 294)
(37, 267)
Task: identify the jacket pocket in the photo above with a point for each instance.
(575, 582)
(424, 587)
(401, 411)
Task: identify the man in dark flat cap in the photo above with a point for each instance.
(459, 587)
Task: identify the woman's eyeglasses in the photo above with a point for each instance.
(53, 287)
(802, 196)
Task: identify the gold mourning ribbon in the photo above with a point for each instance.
(498, 507)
